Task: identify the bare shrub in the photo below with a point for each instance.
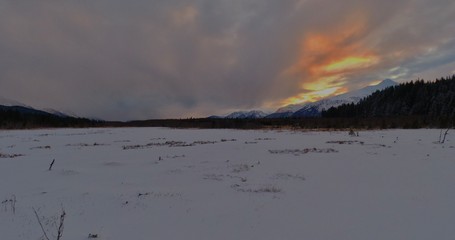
(59, 226)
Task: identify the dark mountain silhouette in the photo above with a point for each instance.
(13, 117)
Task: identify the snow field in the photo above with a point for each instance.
(158, 183)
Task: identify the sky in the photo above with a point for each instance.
(142, 59)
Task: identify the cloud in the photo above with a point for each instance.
(369, 44)
(155, 59)
(327, 58)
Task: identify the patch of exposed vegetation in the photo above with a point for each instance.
(240, 168)
(263, 189)
(298, 152)
(41, 147)
(86, 144)
(4, 155)
(287, 176)
(228, 140)
(350, 142)
(167, 143)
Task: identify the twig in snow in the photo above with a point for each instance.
(445, 135)
(52, 164)
(41, 225)
(61, 226)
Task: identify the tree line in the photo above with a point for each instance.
(414, 104)
(24, 118)
(427, 103)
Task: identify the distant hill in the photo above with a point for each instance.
(417, 98)
(25, 110)
(314, 109)
(59, 113)
(13, 103)
(9, 102)
(16, 117)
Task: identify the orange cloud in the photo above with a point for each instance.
(314, 96)
(326, 58)
(350, 63)
(184, 16)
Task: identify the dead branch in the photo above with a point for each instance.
(41, 225)
(61, 225)
(445, 135)
(52, 164)
(13, 203)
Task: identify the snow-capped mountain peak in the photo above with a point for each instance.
(247, 114)
(315, 108)
(357, 95)
(291, 108)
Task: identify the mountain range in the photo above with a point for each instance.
(254, 114)
(314, 109)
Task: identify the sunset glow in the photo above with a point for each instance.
(375, 82)
(314, 96)
(350, 63)
(120, 60)
(328, 58)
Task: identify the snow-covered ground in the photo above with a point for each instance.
(157, 183)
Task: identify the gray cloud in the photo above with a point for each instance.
(173, 58)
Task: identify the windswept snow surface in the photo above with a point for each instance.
(157, 183)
